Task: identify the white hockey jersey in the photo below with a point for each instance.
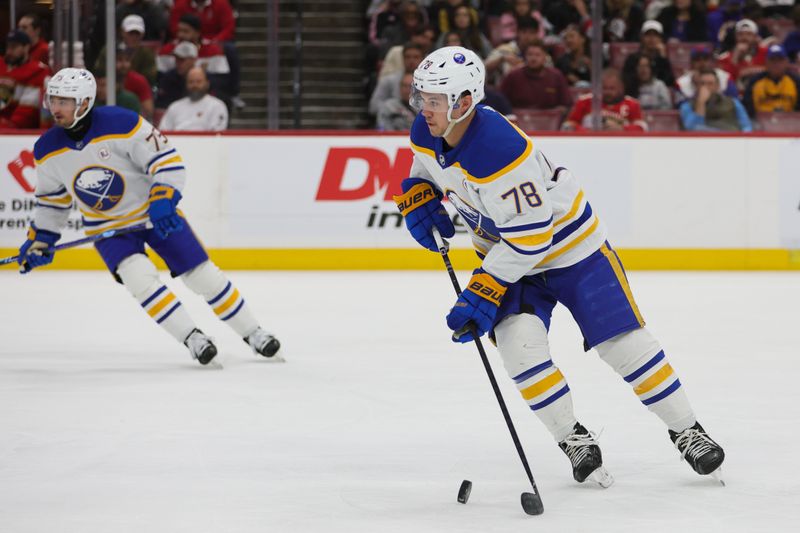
(108, 173)
(525, 216)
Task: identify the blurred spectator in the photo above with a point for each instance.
(133, 81)
(776, 89)
(387, 14)
(748, 57)
(22, 84)
(725, 16)
(446, 14)
(215, 16)
(498, 101)
(702, 59)
(508, 55)
(534, 85)
(412, 18)
(619, 112)
(394, 114)
(524, 9)
(653, 48)
(393, 62)
(451, 38)
(710, 110)
(575, 64)
(31, 24)
(143, 58)
(562, 13)
(651, 92)
(152, 12)
(172, 84)
(389, 86)
(198, 111)
(124, 98)
(792, 41)
(622, 20)
(469, 32)
(684, 21)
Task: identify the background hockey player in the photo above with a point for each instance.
(540, 243)
(121, 171)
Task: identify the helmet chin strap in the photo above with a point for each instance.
(453, 122)
(75, 115)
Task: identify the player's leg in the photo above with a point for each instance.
(611, 322)
(521, 339)
(124, 255)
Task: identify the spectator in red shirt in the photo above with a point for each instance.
(534, 85)
(133, 81)
(748, 57)
(619, 112)
(31, 24)
(21, 84)
(216, 18)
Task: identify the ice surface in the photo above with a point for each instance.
(106, 425)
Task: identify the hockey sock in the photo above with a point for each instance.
(140, 277)
(522, 343)
(639, 359)
(208, 281)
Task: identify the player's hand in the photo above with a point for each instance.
(37, 250)
(422, 209)
(476, 306)
(703, 94)
(163, 210)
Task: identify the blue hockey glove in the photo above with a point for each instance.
(162, 210)
(37, 250)
(421, 206)
(476, 307)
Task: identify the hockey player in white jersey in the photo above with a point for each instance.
(540, 243)
(121, 171)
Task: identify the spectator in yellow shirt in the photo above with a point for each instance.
(776, 89)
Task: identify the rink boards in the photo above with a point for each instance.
(323, 200)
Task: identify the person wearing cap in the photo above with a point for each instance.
(508, 56)
(198, 110)
(143, 58)
(652, 40)
(710, 110)
(153, 12)
(133, 81)
(685, 21)
(22, 84)
(775, 89)
(702, 58)
(31, 24)
(172, 84)
(749, 55)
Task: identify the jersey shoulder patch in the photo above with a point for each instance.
(496, 148)
(421, 135)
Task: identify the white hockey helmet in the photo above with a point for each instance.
(77, 83)
(452, 71)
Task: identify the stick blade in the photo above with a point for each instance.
(532, 503)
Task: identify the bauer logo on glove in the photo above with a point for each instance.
(421, 206)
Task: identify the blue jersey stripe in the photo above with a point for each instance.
(647, 366)
(525, 227)
(238, 307)
(551, 399)
(54, 206)
(168, 169)
(220, 295)
(59, 192)
(526, 252)
(573, 227)
(152, 296)
(663, 394)
(156, 158)
(166, 315)
(533, 371)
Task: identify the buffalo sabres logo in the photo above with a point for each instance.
(459, 58)
(100, 188)
(482, 227)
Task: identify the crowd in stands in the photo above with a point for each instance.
(175, 59)
(715, 65)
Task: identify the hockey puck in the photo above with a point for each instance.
(464, 491)
(532, 503)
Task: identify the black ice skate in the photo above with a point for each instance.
(264, 344)
(583, 452)
(200, 346)
(703, 454)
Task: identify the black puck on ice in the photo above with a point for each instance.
(532, 503)
(464, 490)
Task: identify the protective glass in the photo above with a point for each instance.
(431, 102)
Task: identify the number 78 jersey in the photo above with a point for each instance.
(524, 215)
(107, 174)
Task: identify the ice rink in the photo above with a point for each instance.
(107, 425)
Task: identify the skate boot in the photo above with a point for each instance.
(200, 346)
(583, 452)
(703, 454)
(264, 344)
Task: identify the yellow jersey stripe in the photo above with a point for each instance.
(93, 215)
(573, 210)
(426, 151)
(505, 170)
(176, 159)
(532, 240)
(66, 200)
(161, 305)
(101, 229)
(654, 381)
(228, 303)
(119, 135)
(51, 154)
(623, 281)
(574, 243)
(541, 386)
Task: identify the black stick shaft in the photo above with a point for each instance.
(443, 251)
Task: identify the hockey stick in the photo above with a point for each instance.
(531, 502)
(86, 240)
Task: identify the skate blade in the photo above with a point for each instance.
(602, 477)
(277, 358)
(213, 364)
(717, 474)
